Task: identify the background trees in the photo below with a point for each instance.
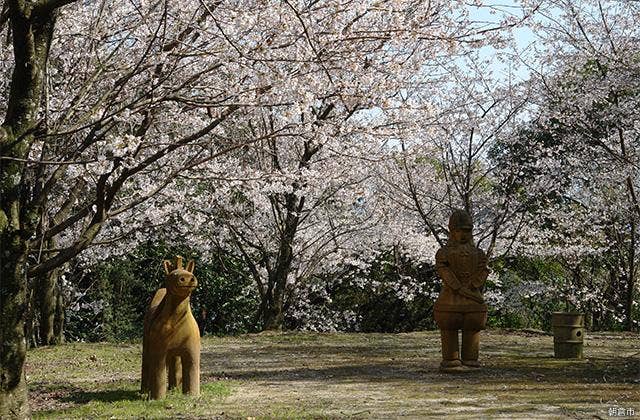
(583, 139)
(294, 197)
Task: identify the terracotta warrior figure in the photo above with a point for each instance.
(460, 306)
(171, 336)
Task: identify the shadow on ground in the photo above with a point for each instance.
(308, 375)
(409, 359)
(112, 395)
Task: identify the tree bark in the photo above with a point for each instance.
(13, 307)
(30, 329)
(293, 208)
(629, 303)
(274, 308)
(58, 320)
(631, 276)
(32, 27)
(273, 317)
(47, 292)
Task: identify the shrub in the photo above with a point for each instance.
(109, 299)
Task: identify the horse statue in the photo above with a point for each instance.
(171, 339)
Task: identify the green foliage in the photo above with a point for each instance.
(103, 307)
(525, 293)
(393, 294)
(400, 299)
(121, 288)
(113, 296)
(227, 293)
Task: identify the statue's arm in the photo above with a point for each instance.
(482, 271)
(442, 267)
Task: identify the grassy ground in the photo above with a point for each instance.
(307, 375)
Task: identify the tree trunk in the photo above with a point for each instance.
(273, 318)
(30, 321)
(32, 25)
(13, 307)
(271, 308)
(50, 305)
(630, 286)
(632, 275)
(14, 300)
(274, 314)
(47, 290)
(58, 320)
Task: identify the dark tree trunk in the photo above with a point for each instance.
(272, 305)
(32, 25)
(631, 277)
(58, 320)
(273, 318)
(274, 308)
(44, 319)
(273, 298)
(30, 324)
(274, 314)
(628, 307)
(47, 292)
(51, 312)
(13, 307)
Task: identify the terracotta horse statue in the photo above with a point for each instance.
(171, 336)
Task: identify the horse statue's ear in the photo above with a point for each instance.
(167, 266)
(191, 265)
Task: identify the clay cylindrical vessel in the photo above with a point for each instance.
(568, 335)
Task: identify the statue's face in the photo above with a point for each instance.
(181, 282)
(461, 235)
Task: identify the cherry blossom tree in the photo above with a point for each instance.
(105, 105)
(313, 131)
(446, 163)
(583, 138)
(86, 93)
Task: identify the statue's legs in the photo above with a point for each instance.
(449, 324)
(450, 352)
(473, 323)
(157, 375)
(191, 372)
(470, 348)
(174, 365)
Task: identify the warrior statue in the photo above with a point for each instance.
(460, 306)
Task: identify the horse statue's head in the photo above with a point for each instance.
(180, 280)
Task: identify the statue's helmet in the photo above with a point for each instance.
(460, 219)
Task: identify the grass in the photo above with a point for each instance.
(315, 376)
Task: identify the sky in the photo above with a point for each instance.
(492, 12)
